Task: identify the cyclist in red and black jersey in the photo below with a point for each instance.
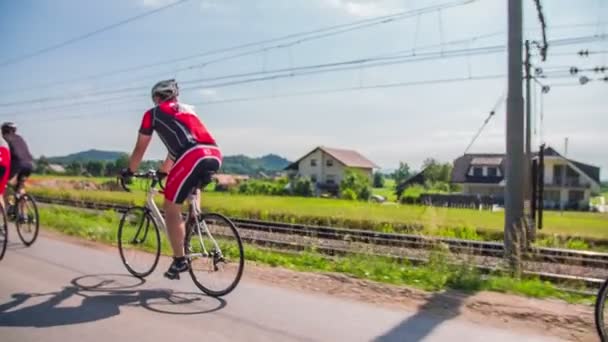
(193, 157)
(5, 167)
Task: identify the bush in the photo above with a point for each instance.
(263, 187)
(303, 187)
(378, 180)
(439, 187)
(365, 193)
(411, 195)
(356, 182)
(348, 194)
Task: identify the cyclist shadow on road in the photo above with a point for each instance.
(99, 303)
(440, 308)
(15, 246)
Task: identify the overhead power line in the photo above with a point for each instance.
(541, 18)
(299, 36)
(231, 80)
(314, 92)
(24, 57)
(412, 56)
(249, 77)
(498, 103)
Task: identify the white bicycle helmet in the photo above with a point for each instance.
(166, 89)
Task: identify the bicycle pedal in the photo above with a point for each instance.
(172, 276)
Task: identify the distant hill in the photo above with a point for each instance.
(239, 164)
(85, 156)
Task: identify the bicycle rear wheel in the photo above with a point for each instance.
(600, 307)
(215, 253)
(27, 220)
(3, 233)
(138, 241)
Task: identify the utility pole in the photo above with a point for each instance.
(562, 203)
(530, 233)
(514, 200)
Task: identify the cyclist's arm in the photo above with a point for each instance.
(143, 140)
(141, 145)
(167, 165)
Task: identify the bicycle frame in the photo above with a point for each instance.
(193, 212)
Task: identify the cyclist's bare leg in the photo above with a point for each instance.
(175, 227)
(176, 232)
(6, 195)
(21, 191)
(197, 198)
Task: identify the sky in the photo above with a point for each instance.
(60, 108)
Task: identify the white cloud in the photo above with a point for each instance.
(364, 8)
(155, 3)
(209, 94)
(212, 5)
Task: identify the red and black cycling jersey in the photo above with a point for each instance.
(177, 126)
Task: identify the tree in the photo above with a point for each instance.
(435, 171)
(378, 180)
(122, 162)
(42, 165)
(402, 173)
(355, 182)
(74, 168)
(95, 168)
(111, 170)
(149, 165)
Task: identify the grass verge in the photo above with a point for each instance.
(436, 275)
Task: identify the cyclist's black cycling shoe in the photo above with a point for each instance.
(178, 266)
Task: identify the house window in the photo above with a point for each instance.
(478, 171)
(329, 162)
(492, 172)
(576, 195)
(313, 162)
(313, 178)
(330, 179)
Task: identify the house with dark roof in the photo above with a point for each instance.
(565, 180)
(326, 166)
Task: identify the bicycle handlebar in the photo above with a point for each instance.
(152, 175)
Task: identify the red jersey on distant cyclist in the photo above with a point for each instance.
(177, 126)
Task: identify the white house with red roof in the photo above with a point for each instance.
(326, 166)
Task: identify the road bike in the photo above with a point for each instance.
(600, 306)
(23, 210)
(213, 246)
(3, 233)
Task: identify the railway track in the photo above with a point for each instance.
(587, 259)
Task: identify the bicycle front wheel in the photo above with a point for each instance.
(27, 220)
(215, 253)
(3, 233)
(138, 241)
(600, 307)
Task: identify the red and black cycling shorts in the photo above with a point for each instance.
(5, 167)
(194, 168)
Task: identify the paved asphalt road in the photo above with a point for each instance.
(42, 299)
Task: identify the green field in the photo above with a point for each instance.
(97, 180)
(138, 184)
(393, 217)
(388, 191)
